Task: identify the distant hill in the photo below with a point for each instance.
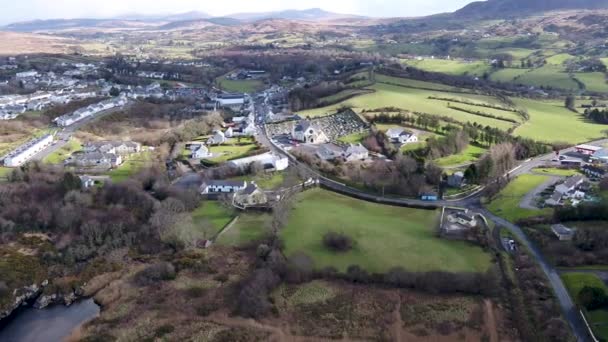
(66, 24)
(312, 14)
(199, 23)
(510, 8)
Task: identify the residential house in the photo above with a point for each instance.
(122, 148)
(570, 184)
(463, 218)
(201, 152)
(229, 133)
(555, 200)
(231, 101)
(87, 182)
(456, 180)
(600, 156)
(562, 232)
(270, 161)
(251, 195)
(401, 136)
(307, 132)
(27, 151)
(356, 152)
(222, 187)
(218, 138)
(95, 159)
(329, 152)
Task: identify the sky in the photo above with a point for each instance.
(21, 10)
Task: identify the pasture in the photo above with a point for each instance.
(209, 219)
(598, 319)
(384, 236)
(469, 155)
(249, 227)
(451, 67)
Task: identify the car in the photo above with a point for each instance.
(562, 157)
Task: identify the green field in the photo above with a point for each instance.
(384, 236)
(594, 81)
(550, 122)
(249, 227)
(598, 319)
(556, 172)
(266, 181)
(63, 153)
(354, 138)
(469, 155)
(231, 150)
(5, 172)
(559, 59)
(451, 67)
(548, 76)
(239, 86)
(506, 205)
(210, 218)
(130, 167)
(415, 100)
(507, 75)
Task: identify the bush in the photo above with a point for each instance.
(195, 292)
(155, 273)
(164, 330)
(592, 298)
(206, 309)
(337, 242)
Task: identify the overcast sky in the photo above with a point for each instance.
(19, 10)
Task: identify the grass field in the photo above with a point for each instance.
(548, 76)
(63, 153)
(594, 81)
(130, 167)
(249, 227)
(547, 118)
(231, 150)
(556, 172)
(239, 86)
(267, 181)
(598, 319)
(210, 218)
(470, 154)
(5, 172)
(415, 100)
(451, 67)
(507, 203)
(354, 138)
(507, 74)
(385, 237)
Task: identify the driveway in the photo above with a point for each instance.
(529, 201)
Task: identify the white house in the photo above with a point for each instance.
(87, 182)
(229, 133)
(463, 219)
(222, 187)
(570, 184)
(95, 159)
(114, 147)
(25, 152)
(231, 101)
(356, 152)
(401, 136)
(200, 153)
(271, 161)
(218, 138)
(307, 132)
(83, 113)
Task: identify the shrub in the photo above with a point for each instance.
(155, 273)
(164, 330)
(206, 309)
(195, 292)
(337, 242)
(592, 298)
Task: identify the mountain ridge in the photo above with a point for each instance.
(510, 8)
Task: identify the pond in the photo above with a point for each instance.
(51, 324)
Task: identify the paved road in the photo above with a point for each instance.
(63, 135)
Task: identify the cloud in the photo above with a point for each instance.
(45, 9)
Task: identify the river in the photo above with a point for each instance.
(52, 324)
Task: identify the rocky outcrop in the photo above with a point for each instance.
(22, 297)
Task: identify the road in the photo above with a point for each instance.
(571, 313)
(62, 137)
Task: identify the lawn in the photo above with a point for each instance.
(249, 227)
(130, 167)
(5, 172)
(232, 150)
(470, 154)
(507, 203)
(354, 138)
(384, 236)
(598, 319)
(210, 218)
(550, 122)
(556, 172)
(63, 153)
(266, 181)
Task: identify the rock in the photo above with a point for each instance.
(22, 296)
(69, 298)
(45, 300)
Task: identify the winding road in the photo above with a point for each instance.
(571, 312)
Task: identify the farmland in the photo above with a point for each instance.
(469, 155)
(249, 227)
(507, 203)
(385, 237)
(451, 67)
(209, 219)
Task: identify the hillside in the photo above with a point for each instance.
(510, 8)
(23, 43)
(313, 14)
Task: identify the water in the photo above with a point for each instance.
(52, 324)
